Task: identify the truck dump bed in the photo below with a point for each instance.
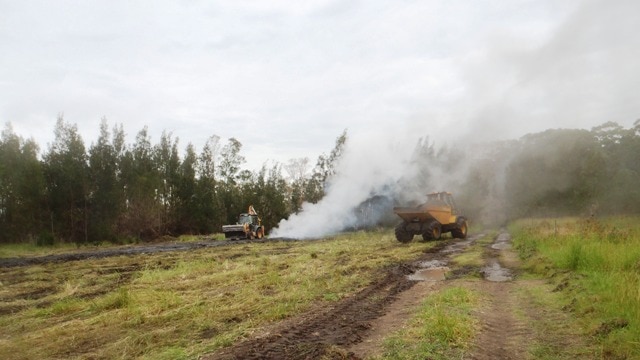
(424, 213)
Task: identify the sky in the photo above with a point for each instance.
(287, 77)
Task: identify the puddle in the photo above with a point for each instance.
(457, 247)
(503, 242)
(496, 273)
(430, 264)
(435, 270)
(430, 270)
(431, 274)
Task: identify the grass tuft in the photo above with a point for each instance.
(442, 329)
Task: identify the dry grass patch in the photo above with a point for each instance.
(181, 304)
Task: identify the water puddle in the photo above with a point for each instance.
(431, 270)
(436, 270)
(496, 273)
(503, 242)
(433, 274)
(457, 247)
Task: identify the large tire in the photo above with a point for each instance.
(460, 231)
(433, 232)
(403, 235)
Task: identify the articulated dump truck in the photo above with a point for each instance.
(433, 218)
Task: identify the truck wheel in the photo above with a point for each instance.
(434, 231)
(259, 234)
(460, 232)
(402, 235)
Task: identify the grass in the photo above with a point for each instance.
(442, 328)
(596, 265)
(183, 304)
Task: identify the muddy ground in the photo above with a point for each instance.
(356, 327)
(335, 333)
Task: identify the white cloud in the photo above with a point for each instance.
(286, 78)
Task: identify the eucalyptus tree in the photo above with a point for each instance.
(21, 190)
(67, 183)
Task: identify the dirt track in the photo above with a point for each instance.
(126, 250)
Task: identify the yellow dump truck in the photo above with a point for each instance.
(433, 218)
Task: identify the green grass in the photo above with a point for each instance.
(181, 304)
(442, 328)
(596, 263)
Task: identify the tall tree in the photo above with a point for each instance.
(167, 163)
(229, 167)
(106, 196)
(325, 168)
(142, 181)
(21, 189)
(67, 181)
(186, 190)
(210, 215)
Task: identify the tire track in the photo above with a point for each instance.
(128, 250)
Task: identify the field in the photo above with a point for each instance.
(568, 288)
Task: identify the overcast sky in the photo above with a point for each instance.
(286, 77)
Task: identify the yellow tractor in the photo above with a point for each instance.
(433, 218)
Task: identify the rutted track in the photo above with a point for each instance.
(127, 250)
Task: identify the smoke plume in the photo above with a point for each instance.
(582, 75)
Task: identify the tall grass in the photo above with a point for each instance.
(597, 264)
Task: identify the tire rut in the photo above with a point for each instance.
(128, 250)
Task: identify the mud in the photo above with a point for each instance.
(496, 273)
(432, 270)
(502, 242)
(128, 250)
(331, 332)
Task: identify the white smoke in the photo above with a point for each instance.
(371, 165)
(582, 74)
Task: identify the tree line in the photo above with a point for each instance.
(118, 192)
(556, 172)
